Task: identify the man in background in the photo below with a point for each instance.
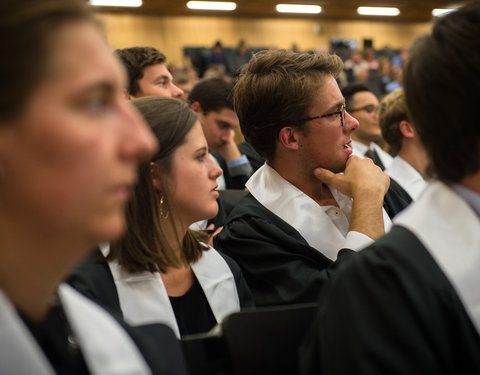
(363, 105)
(212, 100)
(147, 73)
(408, 167)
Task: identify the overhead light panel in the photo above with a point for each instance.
(378, 11)
(116, 3)
(441, 12)
(211, 5)
(298, 8)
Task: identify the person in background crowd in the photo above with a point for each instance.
(212, 100)
(408, 168)
(147, 73)
(363, 105)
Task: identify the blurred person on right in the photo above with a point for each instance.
(409, 304)
(408, 167)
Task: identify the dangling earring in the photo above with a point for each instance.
(163, 208)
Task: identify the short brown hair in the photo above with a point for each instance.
(145, 246)
(27, 28)
(276, 89)
(135, 60)
(392, 111)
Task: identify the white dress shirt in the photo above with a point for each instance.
(359, 149)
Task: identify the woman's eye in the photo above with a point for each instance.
(96, 105)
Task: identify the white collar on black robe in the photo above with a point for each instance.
(407, 176)
(310, 219)
(449, 229)
(144, 299)
(106, 347)
(19, 352)
(359, 149)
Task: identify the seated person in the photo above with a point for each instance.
(409, 303)
(147, 73)
(408, 167)
(212, 100)
(162, 271)
(362, 104)
(298, 214)
(65, 125)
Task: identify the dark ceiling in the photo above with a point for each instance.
(410, 10)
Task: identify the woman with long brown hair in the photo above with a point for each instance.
(162, 271)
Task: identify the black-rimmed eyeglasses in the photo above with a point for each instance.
(340, 113)
(370, 108)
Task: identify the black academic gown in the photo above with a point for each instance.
(396, 199)
(391, 310)
(280, 267)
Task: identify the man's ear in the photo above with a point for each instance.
(406, 129)
(196, 107)
(288, 138)
(155, 173)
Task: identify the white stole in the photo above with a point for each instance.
(19, 352)
(144, 299)
(450, 230)
(105, 345)
(300, 211)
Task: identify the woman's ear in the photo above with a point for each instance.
(288, 138)
(155, 173)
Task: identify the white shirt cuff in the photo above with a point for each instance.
(356, 241)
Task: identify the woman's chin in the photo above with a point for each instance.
(110, 230)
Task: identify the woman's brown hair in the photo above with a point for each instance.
(145, 247)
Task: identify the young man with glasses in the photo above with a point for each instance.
(299, 212)
(363, 105)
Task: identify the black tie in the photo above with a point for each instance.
(372, 154)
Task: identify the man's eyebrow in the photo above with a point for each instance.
(162, 77)
(224, 123)
(336, 106)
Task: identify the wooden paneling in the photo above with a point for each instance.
(170, 34)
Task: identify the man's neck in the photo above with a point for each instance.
(414, 156)
(306, 182)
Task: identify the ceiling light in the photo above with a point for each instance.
(211, 5)
(378, 11)
(440, 12)
(298, 8)
(117, 3)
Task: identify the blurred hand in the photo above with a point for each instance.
(211, 227)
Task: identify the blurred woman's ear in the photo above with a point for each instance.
(155, 173)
